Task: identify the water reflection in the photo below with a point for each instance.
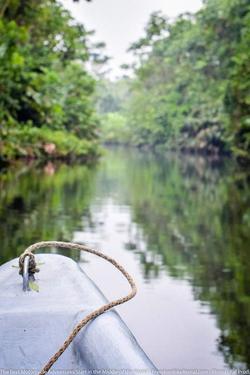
(42, 203)
(179, 221)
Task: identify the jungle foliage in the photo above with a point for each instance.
(111, 98)
(46, 106)
(191, 85)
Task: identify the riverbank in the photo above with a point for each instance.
(45, 144)
(210, 154)
(47, 106)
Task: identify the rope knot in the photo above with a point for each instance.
(32, 263)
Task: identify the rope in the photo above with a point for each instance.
(32, 263)
(95, 313)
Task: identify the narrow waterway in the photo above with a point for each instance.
(180, 225)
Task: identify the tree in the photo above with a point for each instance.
(43, 79)
(191, 86)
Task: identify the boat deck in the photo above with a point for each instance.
(33, 325)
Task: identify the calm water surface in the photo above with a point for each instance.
(180, 225)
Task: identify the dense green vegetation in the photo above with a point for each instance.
(46, 105)
(191, 85)
(189, 88)
(111, 98)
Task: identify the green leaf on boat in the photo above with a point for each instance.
(34, 286)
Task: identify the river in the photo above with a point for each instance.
(179, 224)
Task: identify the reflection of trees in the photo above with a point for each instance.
(194, 214)
(42, 204)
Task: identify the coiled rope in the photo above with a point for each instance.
(69, 245)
